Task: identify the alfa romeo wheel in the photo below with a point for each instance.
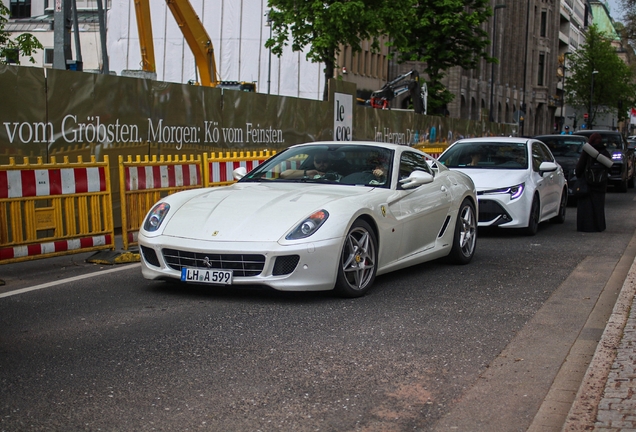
(358, 261)
(465, 236)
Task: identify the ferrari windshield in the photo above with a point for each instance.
(328, 163)
(489, 155)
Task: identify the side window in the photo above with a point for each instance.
(538, 156)
(549, 157)
(410, 161)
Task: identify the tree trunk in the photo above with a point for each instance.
(329, 64)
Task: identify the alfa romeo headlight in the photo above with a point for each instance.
(156, 216)
(309, 225)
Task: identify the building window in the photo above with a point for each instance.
(11, 55)
(20, 8)
(544, 23)
(48, 56)
(541, 69)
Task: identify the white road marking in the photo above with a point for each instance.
(67, 280)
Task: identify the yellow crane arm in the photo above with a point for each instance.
(144, 26)
(197, 38)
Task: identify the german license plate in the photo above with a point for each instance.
(209, 276)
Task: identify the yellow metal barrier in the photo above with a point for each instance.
(434, 151)
(218, 169)
(51, 209)
(143, 182)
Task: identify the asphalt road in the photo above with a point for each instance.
(113, 352)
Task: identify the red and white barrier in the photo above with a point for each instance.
(221, 172)
(162, 176)
(47, 182)
(56, 247)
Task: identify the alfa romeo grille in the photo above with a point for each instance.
(243, 265)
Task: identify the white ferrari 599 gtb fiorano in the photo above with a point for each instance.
(319, 216)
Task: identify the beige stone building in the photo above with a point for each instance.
(531, 35)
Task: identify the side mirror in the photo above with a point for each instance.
(239, 173)
(547, 167)
(417, 178)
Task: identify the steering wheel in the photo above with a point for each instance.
(332, 176)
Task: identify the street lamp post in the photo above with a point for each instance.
(492, 70)
(565, 71)
(269, 66)
(589, 113)
(525, 73)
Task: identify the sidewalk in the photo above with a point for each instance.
(606, 400)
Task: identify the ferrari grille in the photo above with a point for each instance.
(284, 265)
(243, 265)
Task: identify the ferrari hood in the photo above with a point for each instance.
(488, 179)
(252, 211)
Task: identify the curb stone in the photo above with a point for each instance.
(584, 410)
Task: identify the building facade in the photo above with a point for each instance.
(532, 41)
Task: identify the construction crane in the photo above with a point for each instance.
(195, 35)
(408, 82)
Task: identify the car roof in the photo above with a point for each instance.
(587, 132)
(497, 139)
(562, 136)
(375, 144)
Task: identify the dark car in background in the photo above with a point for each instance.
(566, 150)
(622, 172)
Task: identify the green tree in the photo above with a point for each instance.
(10, 49)
(323, 26)
(444, 34)
(628, 18)
(613, 80)
(441, 33)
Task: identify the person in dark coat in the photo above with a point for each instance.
(590, 210)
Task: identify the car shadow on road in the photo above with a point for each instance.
(243, 293)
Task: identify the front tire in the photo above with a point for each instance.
(533, 218)
(465, 236)
(358, 261)
(560, 217)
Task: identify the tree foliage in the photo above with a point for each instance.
(322, 26)
(444, 34)
(628, 18)
(612, 84)
(11, 48)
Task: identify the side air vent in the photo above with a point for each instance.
(443, 230)
(150, 256)
(285, 265)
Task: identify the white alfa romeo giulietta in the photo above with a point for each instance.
(519, 183)
(319, 216)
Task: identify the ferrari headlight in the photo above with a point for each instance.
(309, 225)
(514, 191)
(156, 216)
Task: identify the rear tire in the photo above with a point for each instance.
(465, 236)
(358, 261)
